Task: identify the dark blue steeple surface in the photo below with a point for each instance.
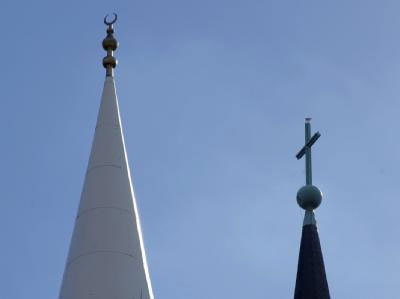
(311, 280)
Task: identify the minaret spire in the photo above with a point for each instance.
(110, 44)
(106, 259)
(311, 282)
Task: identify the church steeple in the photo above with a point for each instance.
(106, 257)
(311, 282)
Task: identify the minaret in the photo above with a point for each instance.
(106, 258)
(311, 280)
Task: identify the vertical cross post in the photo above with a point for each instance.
(306, 150)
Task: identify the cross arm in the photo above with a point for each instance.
(309, 144)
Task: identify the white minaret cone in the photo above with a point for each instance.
(106, 259)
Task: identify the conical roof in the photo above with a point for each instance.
(106, 257)
(311, 282)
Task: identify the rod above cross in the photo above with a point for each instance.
(306, 149)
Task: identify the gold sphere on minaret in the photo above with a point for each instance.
(109, 61)
(110, 44)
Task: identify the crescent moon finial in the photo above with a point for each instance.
(110, 22)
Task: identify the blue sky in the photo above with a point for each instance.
(213, 95)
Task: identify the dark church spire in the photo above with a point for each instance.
(311, 282)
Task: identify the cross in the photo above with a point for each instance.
(309, 141)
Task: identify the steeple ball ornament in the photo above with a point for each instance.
(309, 197)
(110, 44)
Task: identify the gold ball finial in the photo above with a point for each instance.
(110, 44)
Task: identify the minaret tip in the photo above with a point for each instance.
(110, 44)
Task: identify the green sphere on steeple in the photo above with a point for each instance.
(309, 197)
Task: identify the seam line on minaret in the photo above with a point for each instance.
(103, 165)
(115, 127)
(100, 251)
(96, 208)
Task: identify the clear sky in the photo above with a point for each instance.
(213, 96)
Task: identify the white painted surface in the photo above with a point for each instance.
(106, 259)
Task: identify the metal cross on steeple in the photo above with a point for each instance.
(309, 141)
(308, 197)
